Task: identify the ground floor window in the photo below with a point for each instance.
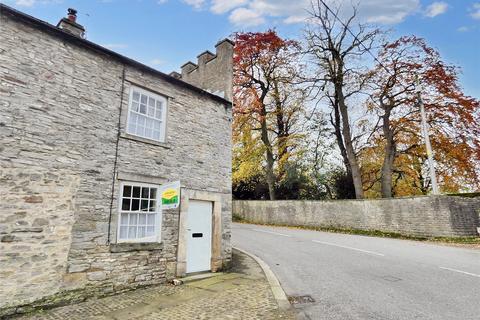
(139, 214)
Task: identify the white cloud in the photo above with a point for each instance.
(222, 6)
(295, 19)
(197, 4)
(475, 11)
(25, 3)
(463, 29)
(161, 1)
(245, 13)
(157, 62)
(435, 9)
(246, 17)
(31, 3)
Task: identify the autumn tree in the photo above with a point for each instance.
(334, 51)
(266, 101)
(453, 119)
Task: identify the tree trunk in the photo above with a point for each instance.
(347, 136)
(282, 134)
(390, 150)
(270, 175)
(339, 137)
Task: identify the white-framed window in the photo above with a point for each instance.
(147, 113)
(139, 213)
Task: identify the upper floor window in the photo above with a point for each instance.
(146, 114)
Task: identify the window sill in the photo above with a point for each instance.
(135, 246)
(128, 136)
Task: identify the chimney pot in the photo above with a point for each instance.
(72, 14)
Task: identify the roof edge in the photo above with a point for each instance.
(47, 27)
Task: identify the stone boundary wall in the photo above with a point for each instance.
(432, 216)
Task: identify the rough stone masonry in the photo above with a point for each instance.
(433, 216)
(64, 151)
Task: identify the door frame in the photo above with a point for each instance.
(216, 256)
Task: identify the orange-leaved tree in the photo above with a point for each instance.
(453, 122)
(267, 103)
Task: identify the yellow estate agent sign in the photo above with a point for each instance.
(170, 195)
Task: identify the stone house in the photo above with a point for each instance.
(88, 139)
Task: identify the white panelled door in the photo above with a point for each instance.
(199, 235)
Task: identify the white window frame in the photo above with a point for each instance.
(163, 119)
(158, 214)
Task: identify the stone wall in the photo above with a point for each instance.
(420, 216)
(205, 74)
(60, 106)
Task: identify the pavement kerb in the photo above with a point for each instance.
(277, 289)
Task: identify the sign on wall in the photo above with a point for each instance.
(170, 194)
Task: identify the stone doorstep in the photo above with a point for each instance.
(200, 276)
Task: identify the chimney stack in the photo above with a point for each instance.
(213, 72)
(70, 25)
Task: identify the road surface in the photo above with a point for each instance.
(358, 277)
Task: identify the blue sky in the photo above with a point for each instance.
(166, 33)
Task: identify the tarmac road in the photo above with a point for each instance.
(358, 277)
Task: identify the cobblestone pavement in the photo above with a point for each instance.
(242, 294)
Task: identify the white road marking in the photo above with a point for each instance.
(460, 271)
(271, 232)
(345, 247)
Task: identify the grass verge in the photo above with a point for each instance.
(473, 241)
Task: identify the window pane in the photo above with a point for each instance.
(134, 106)
(131, 127)
(149, 124)
(152, 205)
(132, 232)
(151, 102)
(135, 205)
(142, 219)
(156, 125)
(156, 135)
(151, 219)
(143, 108)
(145, 192)
(141, 120)
(153, 193)
(158, 110)
(124, 219)
(136, 96)
(150, 231)
(141, 131)
(144, 99)
(151, 111)
(148, 133)
(132, 123)
(141, 232)
(126, 204)
(123, 232)
(133, 117)
(133, 219)
(136, 192)
(144, 206)
(127, 191)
